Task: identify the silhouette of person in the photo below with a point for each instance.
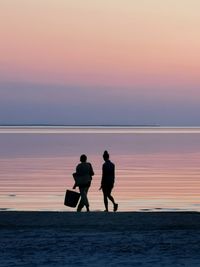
(83, 178)
(108, 180)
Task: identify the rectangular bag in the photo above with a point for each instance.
(71, 198)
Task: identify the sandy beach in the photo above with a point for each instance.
(99, 239)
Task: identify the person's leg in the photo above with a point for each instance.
(84, 199)
(115, 205)
(111, 199)
(109, 189)
(81, 203)
(105, 198)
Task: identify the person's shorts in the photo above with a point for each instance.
(107, 189)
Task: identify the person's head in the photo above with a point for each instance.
(83, 158)
(105, 155)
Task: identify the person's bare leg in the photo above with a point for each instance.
(105, 200)
(115, 205)
(82, 201)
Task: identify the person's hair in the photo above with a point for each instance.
(105, 155)
(83, 158)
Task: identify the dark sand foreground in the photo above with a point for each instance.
(99, 239)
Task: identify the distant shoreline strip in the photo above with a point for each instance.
(96, 129)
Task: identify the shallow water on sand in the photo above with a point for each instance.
(156, 168)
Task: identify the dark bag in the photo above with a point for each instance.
(71, 198)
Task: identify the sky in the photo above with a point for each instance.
(100, 62)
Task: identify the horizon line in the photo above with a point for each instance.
(27, 129)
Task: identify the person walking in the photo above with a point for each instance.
(108, 180)
(83, 178)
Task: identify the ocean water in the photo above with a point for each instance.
(156, 168)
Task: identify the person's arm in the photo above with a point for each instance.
(102, 178)
(75, 175)
(113, 173)
(91, 170)
(77, 169)
(100, 188)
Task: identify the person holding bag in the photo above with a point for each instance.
(83, 178)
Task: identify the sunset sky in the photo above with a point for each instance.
(100, 62)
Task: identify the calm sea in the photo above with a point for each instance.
(156, 168)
